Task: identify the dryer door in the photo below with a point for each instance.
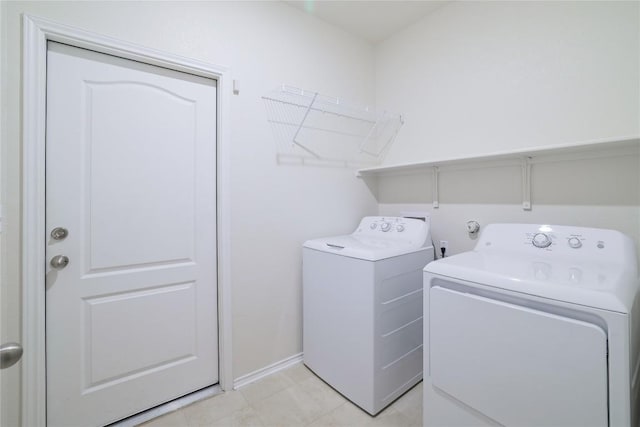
(518, 366)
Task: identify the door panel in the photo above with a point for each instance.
(130, 169)
(515, 365)
(114, 322)
(118, 140)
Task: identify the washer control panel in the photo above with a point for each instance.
(393, 227)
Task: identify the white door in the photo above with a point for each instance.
(131, 321)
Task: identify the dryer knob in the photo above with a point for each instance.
(400, 228)
(385, 226)
(541, 240)
(574, 242)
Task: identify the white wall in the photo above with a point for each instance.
(477, 78)
(602, 193)
(480, 77)
(274, 208)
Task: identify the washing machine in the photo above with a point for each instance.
(362, 309)
(537, 326)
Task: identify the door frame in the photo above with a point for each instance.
(36, 33)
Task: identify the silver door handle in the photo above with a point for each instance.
(59, 262)
(10, 353)
(59, 233)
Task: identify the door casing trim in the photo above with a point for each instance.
(36, 33)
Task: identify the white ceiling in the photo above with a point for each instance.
(373, 20)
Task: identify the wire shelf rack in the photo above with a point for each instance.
(310, 128)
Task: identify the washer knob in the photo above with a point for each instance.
(400, 228)
(541, 240)
(373, 225)
(574, 242)
(385, 226)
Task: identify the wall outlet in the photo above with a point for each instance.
(444, 245)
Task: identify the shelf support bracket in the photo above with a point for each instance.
(526, 183)
(436, 197)
(295, 136)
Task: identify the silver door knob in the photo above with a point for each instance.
(59, 262)
(10, 353)
(59, 233)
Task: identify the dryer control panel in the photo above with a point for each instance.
(557, 240)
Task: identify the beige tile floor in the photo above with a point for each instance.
(293, 397)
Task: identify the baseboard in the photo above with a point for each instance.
(266, 371)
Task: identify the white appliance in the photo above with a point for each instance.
(537, 326)
(362, 309)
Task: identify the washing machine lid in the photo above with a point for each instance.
(605, 286)
(377, 238)
(365, 248)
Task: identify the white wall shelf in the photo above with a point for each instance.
(622, 146)
(314, 128)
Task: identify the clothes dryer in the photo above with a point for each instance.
(537, 326)
(362, 309)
